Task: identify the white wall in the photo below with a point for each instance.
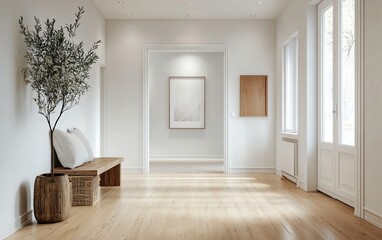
(373, 103)
(168, 143)
(251, 51)
(299, 17)
(24, 144)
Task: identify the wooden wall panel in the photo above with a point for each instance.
(253, 95)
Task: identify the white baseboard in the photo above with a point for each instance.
(335, 196)
(289, 177)
(278, 172)
(187, 166)
(132, 170)
(187, 158)
(302, 185)
(372, 217)
(231, 170)
(15, 225)
(252, 170)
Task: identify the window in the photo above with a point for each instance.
(347, 72)
(327, 75)
(337, 69)
(290, 89)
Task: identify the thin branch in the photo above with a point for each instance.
(48, 120)
(61, 112)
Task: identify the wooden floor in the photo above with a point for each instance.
(207, 206)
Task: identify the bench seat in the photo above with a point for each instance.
(87, 178)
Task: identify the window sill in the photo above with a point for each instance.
(289, 135)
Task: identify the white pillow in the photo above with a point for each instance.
(69, 148)
(84, 140)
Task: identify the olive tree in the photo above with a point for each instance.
(56, 68)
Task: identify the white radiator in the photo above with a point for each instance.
(289, 161)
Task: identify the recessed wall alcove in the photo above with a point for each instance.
(187, 144)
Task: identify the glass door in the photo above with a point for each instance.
(336, 143)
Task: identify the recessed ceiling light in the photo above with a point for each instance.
(190, 15)
(121, 2)
(253, 15)
(259, 2)
(189, 3)
(128, 15)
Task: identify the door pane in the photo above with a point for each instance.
(327, 76)
(347, 72)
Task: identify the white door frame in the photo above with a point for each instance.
(360, 93)
(359, 138)
(180, 48)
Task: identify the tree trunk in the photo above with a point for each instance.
(51, 154)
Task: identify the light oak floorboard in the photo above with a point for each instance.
(207, 206)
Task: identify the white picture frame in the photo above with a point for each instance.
(187, 102)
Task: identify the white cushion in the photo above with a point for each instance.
(69, 148)
(84, 140)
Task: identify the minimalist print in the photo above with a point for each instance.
(187, 102)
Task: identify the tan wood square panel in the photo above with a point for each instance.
(253, 95)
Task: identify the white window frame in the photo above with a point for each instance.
(285, 129)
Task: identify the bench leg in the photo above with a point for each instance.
(112, 177)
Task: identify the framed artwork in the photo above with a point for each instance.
(187, 102)
(253, 95)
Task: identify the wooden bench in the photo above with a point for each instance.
(87, 178)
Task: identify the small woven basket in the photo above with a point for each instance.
(85, 190)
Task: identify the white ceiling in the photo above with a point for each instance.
(190, 9)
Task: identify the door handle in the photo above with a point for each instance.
(334, 111)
